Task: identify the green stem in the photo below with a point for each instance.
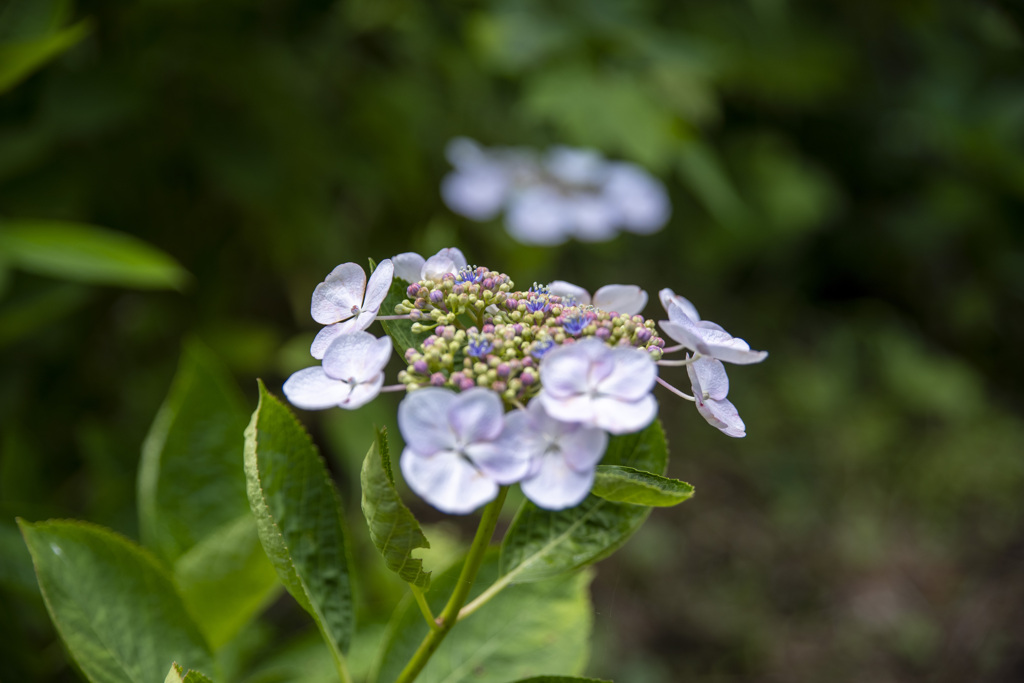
(421, 600)
(450, 613)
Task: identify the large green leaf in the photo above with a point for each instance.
(393, 528)
(621, 484)
(542, 543)
(299, 518)
(193, 507)
(526, 630)
(19, 59)
(87, 253)
(178, 674)
(114, 605)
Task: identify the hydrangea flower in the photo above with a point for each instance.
(706, 338)
(453, 458)
(594, 384)
(563, 456)
(352, 374)
(566, 193)
(625, 299)
(346, 303)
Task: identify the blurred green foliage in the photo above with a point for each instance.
(847, 181)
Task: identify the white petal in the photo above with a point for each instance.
(567, 290)
(313, 389)
(437, 266)
(684, 332)
(357, 357)
(591, 218)
(708, 375)
(363, 393)
(623, 417)
(671, 301)
(633, 374)
(378, 286)
(475, 415)
(335, 297)
(624, 299)
(718, 343)
(328, 334)
(421, 420)
(477, 192)
(456, 255)
(583, 447)
(408, 266)
(538, 216)
(557, 486)
(565, 371)
(447, 481)
(723, 415)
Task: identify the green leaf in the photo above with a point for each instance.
(299, 518)
(177, 674)
(87, 253)
(19, 59)
(393, 528)
(193, 507)
(226, 580)
(400, 331)
(525, 630)
(542, 543)
(628, 485)
(114, 605)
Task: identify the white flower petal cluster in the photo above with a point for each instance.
(564, 194)
(624, 299)
(351, 375)
(711, 345)
(346, 303)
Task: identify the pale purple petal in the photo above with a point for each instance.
(708, 376)
(408, 266)
(502, 461)
(684, 332)
(420, 420)
(476, 192)
(633, 375)
(641, 200)
(378, 286)
(591, 218)
(623, 417)
(538, 216)
(583, 447)
(326, 336)
(571, 408)
(576, 166)
(456, 255)
(564, 371)
(557, 486)
(313, 389)
(624, 299)
(437, 266)
(335, 298)
(671, 300)
(475, 415)
(723, 415)
(567, 290)
(717, 343)
(447, 481)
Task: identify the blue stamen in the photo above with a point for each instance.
(479, 347)
(575, 324)
(541, 348)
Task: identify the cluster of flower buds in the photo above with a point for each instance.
(566, 193)
(509, 386)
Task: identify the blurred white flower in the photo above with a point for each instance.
(566, 193)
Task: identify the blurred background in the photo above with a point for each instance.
(847, 182)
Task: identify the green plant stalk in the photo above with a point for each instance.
(450, 613)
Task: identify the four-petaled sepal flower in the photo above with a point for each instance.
(594, 384)
(346, 303)
(453, 457)
(710, 386)
(352, 374)
(624, 299)
(708, 339)
(563, 456)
